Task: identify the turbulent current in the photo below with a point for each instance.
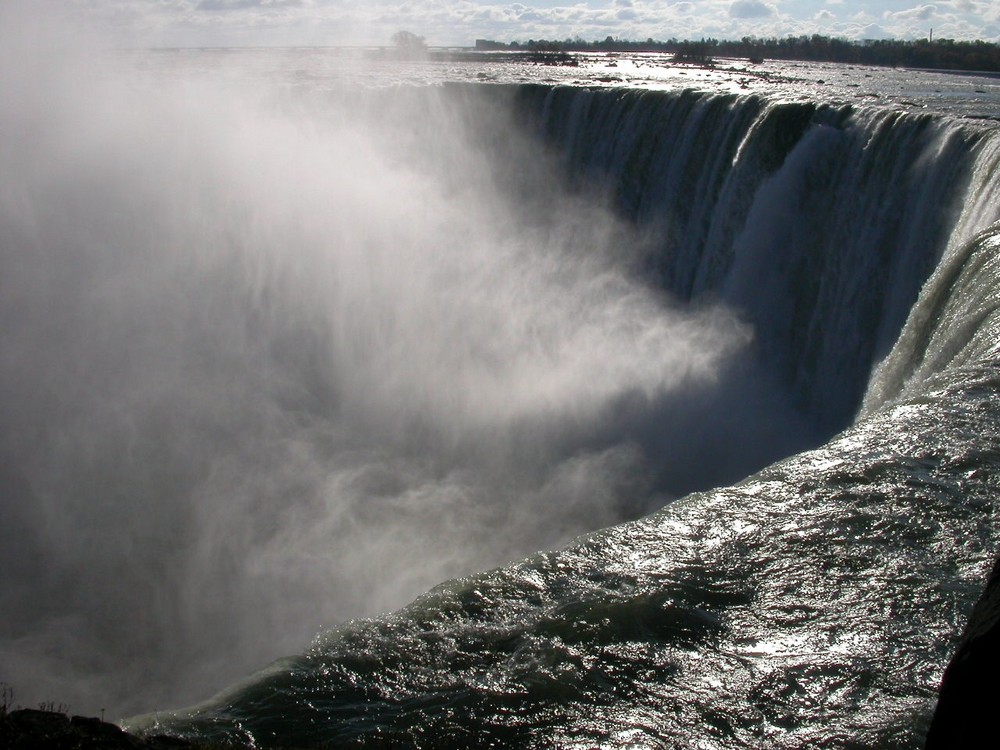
(282, 352)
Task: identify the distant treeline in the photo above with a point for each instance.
(946, 54)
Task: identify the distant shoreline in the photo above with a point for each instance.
(942, 56)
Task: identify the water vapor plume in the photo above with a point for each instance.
(268, 363)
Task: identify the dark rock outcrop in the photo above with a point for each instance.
(29, 729)
(967, 699)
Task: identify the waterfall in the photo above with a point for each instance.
(277, 360)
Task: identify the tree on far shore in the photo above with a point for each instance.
(409, 43)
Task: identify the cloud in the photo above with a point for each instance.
(751, 9)
(136, 23)
(967, 6)
(224, 5)
(874, 31)
(921, 12)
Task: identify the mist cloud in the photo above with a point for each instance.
(273, 361)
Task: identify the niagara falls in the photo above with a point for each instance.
(366, 397)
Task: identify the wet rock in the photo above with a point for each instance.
(28, 729)
(965, 712)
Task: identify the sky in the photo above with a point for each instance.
(460, 22)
